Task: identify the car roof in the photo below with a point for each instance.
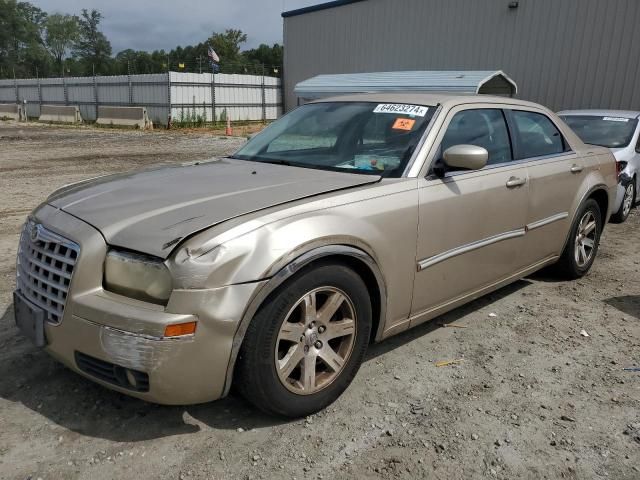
(429, 99)
(602, 113)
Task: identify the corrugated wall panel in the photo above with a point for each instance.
(241, 95)
(52, 90)
(562, 53)
(28, 91)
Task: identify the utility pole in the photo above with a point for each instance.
(15, 84)
(200, 63)
(39, 90)
(129, 82)
(95, 90)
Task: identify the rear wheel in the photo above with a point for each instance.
(627, 203)
(306, 344)
(584, 239)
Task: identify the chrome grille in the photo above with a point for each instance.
(44, 269)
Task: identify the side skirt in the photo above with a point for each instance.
(465, 298)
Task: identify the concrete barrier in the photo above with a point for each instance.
(60, 114)
(12, 111)
(124, 116)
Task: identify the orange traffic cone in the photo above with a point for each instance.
(229, 130)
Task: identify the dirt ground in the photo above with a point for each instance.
(531, 398)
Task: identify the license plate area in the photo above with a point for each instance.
(29, 320)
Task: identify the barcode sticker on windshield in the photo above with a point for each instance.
(415, 110)
(616, 119)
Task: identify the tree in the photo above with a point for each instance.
(32, 43)
(92, 47)
(21, 46)
(227, 45)
(61, 34)
(270, 57)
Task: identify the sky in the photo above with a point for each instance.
(162, 24)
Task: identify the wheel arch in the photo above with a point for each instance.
(600, 195)
(359, 260)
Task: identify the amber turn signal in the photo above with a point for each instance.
(180, 329)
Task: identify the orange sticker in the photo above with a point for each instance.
(403, 124)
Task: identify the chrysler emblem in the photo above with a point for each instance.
(34, 233)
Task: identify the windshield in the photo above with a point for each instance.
(359, 137)
(610, 132)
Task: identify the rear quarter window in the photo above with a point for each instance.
(537, 135)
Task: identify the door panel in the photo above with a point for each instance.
(554, 185)
(555, 176)
(470, 233)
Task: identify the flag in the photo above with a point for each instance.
(213, 55)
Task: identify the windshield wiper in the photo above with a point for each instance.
(263, 160)
(277, 162)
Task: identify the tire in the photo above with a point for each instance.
(628, 201)
(281, 341)
(573, 264)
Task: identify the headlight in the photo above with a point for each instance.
(138, 276)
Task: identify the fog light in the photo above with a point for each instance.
(180, 329)
(131, 379)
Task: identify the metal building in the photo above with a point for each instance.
(561, 53)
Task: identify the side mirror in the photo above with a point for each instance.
(469, 157)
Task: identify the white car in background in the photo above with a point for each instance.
(620, 131)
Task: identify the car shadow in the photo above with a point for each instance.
(629, 304)
(441, 321)
(547, 275)
(29, 376)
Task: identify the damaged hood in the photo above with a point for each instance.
(151, 211)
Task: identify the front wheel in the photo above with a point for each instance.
(627, 203)
(584, 239)
(306, 343)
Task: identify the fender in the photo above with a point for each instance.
(287, 272)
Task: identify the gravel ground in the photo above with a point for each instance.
(530, 398)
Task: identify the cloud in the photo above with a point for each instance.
(162, 24)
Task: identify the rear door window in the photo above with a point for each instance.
(537, 135)
(485, 128)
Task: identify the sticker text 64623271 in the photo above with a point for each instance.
(402, 108)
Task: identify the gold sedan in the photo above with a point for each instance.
(346, 221)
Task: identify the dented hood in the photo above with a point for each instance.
(151, 211)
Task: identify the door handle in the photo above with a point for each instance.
(514, 182)
(576, 169)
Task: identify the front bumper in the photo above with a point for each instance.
(181, 370)
(128, 334)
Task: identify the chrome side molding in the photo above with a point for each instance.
(454, 252)
(520, 232)
(547, 221)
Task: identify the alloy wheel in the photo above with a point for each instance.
(315, 340)
(627, 202)
(586, 237)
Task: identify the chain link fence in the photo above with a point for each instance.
(137, 66)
